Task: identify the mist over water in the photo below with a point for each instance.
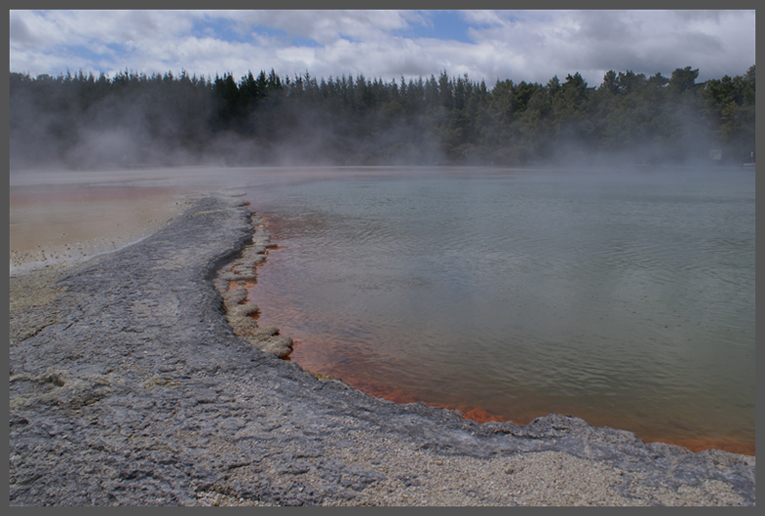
(626, 297)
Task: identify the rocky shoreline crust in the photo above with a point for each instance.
(129, 386)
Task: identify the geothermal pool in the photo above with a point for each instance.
(625, 297)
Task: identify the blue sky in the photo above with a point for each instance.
(486, 45)
(446, 25)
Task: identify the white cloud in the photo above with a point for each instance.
(520, 45)
(538, 45)
(324, 27)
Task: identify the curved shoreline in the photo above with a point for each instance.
(314, 352)
(134, 390)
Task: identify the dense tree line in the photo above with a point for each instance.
(135, 119)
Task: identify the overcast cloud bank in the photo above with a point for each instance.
(487, 45)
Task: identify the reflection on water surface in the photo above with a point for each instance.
(622, 297)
